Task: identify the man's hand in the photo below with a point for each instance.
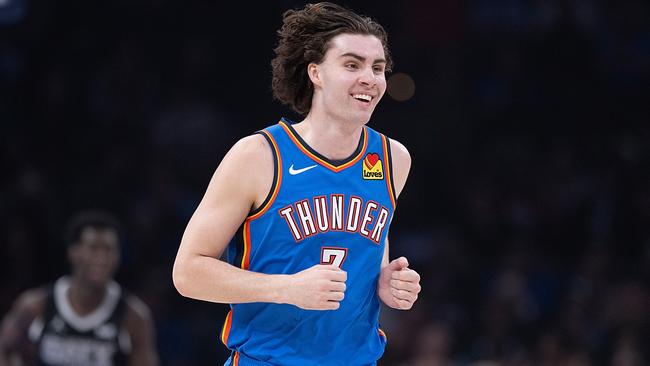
(321, 287)
(398, 286)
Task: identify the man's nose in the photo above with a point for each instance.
(368, 77)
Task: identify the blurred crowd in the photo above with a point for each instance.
(527, 211)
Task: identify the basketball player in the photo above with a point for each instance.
(85, 318)
(310, 204)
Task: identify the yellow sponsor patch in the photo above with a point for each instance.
(372, 168)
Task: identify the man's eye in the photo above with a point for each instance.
(351, 66)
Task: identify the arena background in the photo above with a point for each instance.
(527, 210)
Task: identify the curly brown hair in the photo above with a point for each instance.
(304, 38)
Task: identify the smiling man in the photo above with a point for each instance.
(310, 265)
(85, 318)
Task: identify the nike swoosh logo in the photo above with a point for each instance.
(293, 171)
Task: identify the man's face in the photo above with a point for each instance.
(351, 76)
(96, 256)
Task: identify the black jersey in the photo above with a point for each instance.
(63, 338)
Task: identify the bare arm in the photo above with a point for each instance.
(241, 182)
(401, 165)
(139, 323)
(398, 286)
(15, 325)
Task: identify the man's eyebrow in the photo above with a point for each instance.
(362, 59)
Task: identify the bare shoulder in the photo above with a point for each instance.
(137, 309)
(246, 171)
(252, 146)
(15, 324)
(248, 155)
(32, 301)
(401, 159)
(400, 152)
(139, 323)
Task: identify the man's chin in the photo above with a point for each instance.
(362, 117)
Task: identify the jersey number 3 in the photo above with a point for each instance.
(335, 256)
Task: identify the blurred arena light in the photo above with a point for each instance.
(401, 87)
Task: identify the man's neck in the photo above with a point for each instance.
(336, 140)
(83, 297)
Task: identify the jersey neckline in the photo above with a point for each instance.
(334, 165)
(96, 317)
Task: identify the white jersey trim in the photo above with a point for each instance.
(36, 329)
(124, 340)
(96, 317)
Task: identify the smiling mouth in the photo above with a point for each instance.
(366, 98)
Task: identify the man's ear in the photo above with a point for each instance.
(314, 74)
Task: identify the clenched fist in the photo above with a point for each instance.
(321, 287)
(398, 285)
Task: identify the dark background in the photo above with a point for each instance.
(527, 211)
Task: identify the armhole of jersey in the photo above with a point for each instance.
(35, 330)
(389, 179)
(277, 178)
(118, 317)
(242, 246)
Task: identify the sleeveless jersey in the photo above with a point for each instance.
(318, 211)
(63, 338)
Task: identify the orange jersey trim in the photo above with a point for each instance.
(389, 172)
(276, 184)
(225, 331)
(321, 161)
(235, 359)
(246, 235)
(382, 333)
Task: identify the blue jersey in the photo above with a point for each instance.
(318, 211)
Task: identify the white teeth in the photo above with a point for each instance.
(365, 97)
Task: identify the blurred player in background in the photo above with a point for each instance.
(310, 204)
(85, 318)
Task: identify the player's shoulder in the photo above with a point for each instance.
(136, 306)
(401, 161)
(33, 301)
(399, 152)
(250, 148)
(251, 143)
(258, 143)
(252, 153)
(397, 148)
(138, 319)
